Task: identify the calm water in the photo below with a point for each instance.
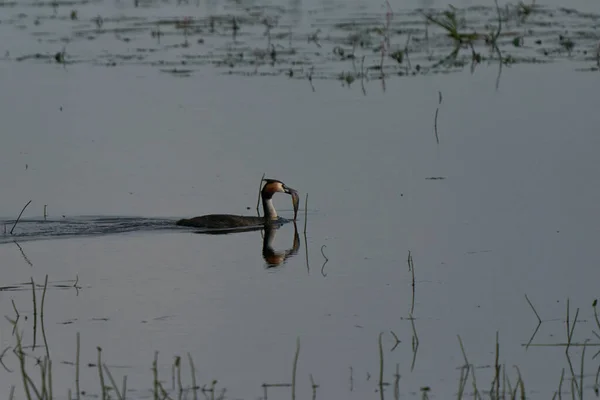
(514, 214)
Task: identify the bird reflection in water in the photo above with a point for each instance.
(273, 258)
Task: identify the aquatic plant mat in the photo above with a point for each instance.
(333, 42)
(31, 363)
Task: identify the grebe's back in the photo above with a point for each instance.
(229, 221)
(221, 221)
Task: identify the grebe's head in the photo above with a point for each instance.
(273, 186)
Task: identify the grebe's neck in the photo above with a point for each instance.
(268, 208)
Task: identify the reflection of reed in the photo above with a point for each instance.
(414, 343)
(42, 318)
(435, 125)
(305, 225)
(295, 368)
(23, 253)
(538, 325)
(326, 261)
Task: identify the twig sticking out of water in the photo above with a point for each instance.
(570, 328)
(437, 110)
(34, 313)
(305, 213)
(533, 308)
(495, 390)
(295, 368)
(19, 217)
(494, 41)
(21, 357)
(158, 387)
(235, 27)
(397, 382)
(155, 373)
(559, 391)
(380, 366)
(306, 253)
(596, 386)
(113, 383)
(46, 370)
(124, 387)
(314, 387)
(362, 75)
(177, 365)
(15, 308)
(42, 318)
(520, 384)
(383, 52)
(77, 369)
(581, 370)
(411, 268)
(259, 189)
(193, 372)
(594, 304)
(158, 33)
(310, 79)
(408, 66)
(471, 367)
(14, 322)
(100, 374)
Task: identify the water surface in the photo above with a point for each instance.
(511, 212)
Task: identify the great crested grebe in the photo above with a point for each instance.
(229, 221)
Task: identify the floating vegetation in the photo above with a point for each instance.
(261, 40)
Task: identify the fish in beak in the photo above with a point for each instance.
(295, 199)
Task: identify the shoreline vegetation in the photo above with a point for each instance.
(33, 364)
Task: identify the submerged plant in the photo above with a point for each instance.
(517, 41)
(524, 10)
(567, 44)
(398, 55)
(347, 78)
(450, 23)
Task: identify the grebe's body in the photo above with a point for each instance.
(229, 221)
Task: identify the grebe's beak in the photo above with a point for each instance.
(295, 199)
